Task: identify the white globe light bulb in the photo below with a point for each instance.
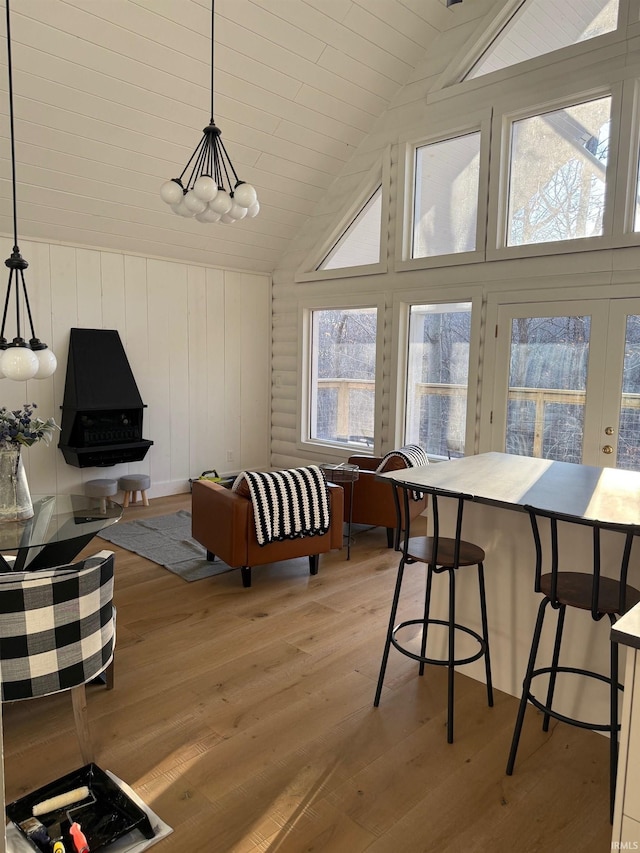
(205, 188)
(47, 363)
(244, 194)
(238, 212)
(227, 218)
(202, 217)
(182, 210)
(19, 363)
(221, 203)
(193, 203)
(171, 192)
(211, 215)
(254, 210)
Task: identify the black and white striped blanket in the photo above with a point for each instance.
(412, 455)
(288, 504)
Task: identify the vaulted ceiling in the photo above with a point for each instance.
(111, 97)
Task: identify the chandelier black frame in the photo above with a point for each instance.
(212, 192)
(19, 360)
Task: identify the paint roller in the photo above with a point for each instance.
(61, 803)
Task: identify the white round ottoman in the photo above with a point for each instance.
(133, 483)
(101, 489)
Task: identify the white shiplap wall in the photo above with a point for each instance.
(197, 340)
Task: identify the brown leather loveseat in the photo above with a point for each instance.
(223, 521)
(373, 501)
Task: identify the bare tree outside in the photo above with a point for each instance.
(343, 375)
(437, 378)
(558, 174)
(629, 425)
(547, 387)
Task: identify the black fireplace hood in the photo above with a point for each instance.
(102, 407)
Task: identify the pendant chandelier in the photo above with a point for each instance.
(212, 191)
(19, 359)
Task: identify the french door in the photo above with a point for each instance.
(568, 381)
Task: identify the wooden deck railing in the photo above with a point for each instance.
(539, 397)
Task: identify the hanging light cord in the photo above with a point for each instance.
(213, 17)
(11, 130)
(16, 262)
(212, 191)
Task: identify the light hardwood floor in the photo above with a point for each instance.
(244, 718)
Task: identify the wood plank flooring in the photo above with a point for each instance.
(244, 717)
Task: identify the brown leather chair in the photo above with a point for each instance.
(223, 521)
(373, 500)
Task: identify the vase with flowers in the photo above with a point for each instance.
(19, 428)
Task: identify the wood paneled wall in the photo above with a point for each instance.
(198, 343)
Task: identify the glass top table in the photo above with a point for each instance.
(60, 528)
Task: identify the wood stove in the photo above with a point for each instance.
(102, 407)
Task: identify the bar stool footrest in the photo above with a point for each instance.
(438, 661)
(571, 721)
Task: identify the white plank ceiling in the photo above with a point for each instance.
(111, 97)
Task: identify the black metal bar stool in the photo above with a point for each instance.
(441, 555)
(584, 590)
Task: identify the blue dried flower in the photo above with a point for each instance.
(20, 427)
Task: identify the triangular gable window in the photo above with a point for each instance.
(360, 243)
(534, 30)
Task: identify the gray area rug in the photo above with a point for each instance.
(166, 540)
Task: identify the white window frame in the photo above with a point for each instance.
(478, 122)
(628, 164)
(632, 19)
(378, 176)
(402, 303)
(333, 450)
(500, 166)
(492, 24)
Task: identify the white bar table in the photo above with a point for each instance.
(498, 487)
(607, 495)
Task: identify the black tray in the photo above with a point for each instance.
(113, 814)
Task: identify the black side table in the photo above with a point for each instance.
(340, 474)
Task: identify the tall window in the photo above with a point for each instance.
(540, 26)
(437, 377)
(360, 243)
(445, 210)
(343, 364)
(558, 174)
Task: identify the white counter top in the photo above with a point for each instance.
(627, 629)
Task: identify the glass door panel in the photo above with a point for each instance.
(620, 424)
(547, 387)
(546, 365)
